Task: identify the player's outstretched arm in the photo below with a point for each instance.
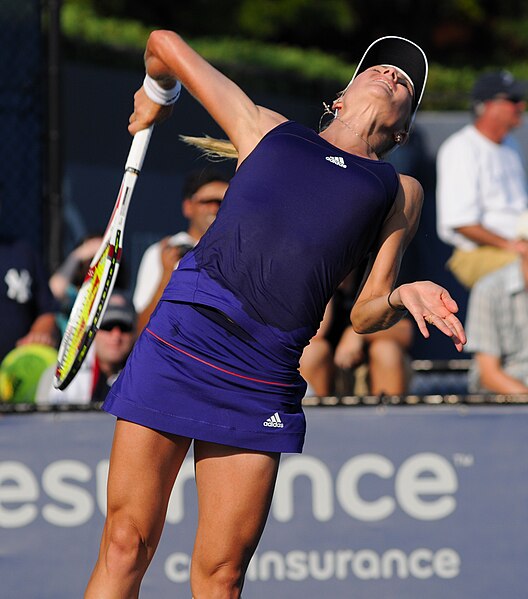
(169, 59)
(379, 305)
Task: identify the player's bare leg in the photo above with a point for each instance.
(143, 466)
(235, 489)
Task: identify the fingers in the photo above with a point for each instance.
(448, 301)
(422, 326)
(137, 123)
(458, 330)
(449, 325)
(146, 112)
(432, 305)
(134, 126)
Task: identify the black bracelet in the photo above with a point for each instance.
(395, 308)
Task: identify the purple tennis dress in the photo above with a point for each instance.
(219, 358)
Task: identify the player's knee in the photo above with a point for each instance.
(223, 581)
(126, 548)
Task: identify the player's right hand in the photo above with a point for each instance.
(146, 112)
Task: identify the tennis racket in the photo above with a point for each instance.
(92, 298)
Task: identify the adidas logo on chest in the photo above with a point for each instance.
(337, 160)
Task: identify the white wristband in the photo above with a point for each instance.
(164, 97)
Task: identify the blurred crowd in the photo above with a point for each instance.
(482, 208)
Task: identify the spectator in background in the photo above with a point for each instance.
(481, 184)
(497, 328)
(203, 192)
(337, 349)
(27, 307)
(72, 271)
(105, 360)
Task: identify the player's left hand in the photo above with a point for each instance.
(431, 304)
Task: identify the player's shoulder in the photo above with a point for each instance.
(411, 188)
(254, 130)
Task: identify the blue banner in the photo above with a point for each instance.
(394, 502)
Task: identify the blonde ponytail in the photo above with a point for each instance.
(212, 148)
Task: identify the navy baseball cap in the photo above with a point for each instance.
(403, 54)
(498, 84)
(119, 311)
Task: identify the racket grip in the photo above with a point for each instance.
(138, 149)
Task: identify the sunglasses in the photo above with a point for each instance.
(122, 326)
(208, 201)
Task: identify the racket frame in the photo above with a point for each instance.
(110, 250)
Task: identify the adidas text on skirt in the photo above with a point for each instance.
(195, 373)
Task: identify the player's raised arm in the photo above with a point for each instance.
(169, 60)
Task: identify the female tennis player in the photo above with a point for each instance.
(218, 362)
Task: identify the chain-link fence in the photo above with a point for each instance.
(22, 112)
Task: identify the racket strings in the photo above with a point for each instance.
(84, 319)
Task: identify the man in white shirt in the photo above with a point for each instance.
(203, 192)
(481, 182)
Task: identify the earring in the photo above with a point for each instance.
(398, 138)
(327, 110)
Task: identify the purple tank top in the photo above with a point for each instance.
(299, 215)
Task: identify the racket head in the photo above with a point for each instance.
(88, 310)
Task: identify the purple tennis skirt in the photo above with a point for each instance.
(194, 372)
